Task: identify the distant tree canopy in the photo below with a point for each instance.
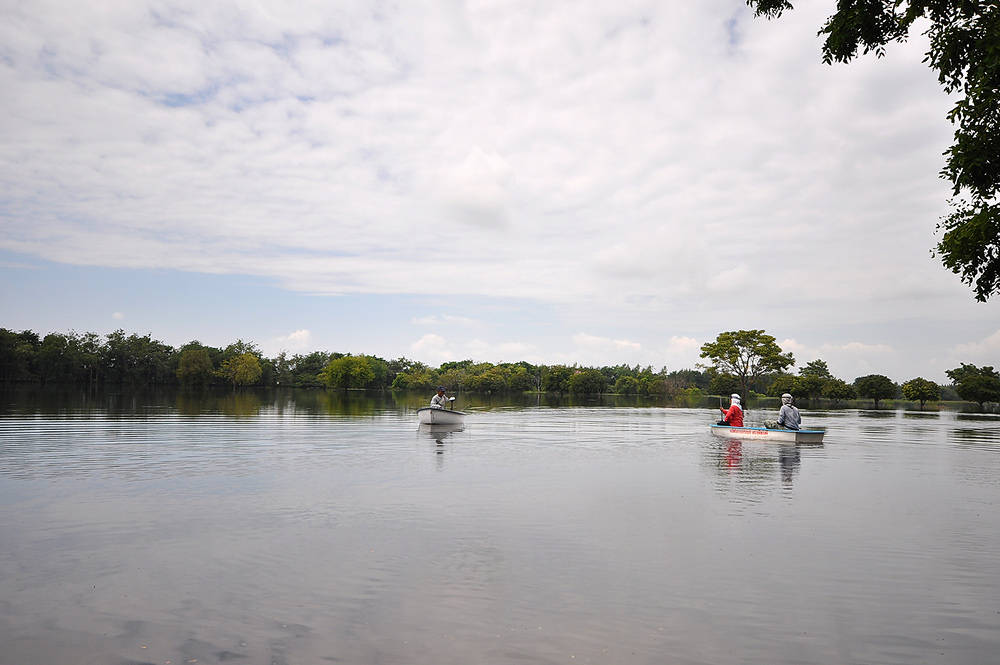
(354, 372)
(876, 387)
(195, 368)
(976, 384)
(838, 391)
(814, 380)
(241, 370)
(965, 53)
(816, 368)
(921, 390)
(587, 382)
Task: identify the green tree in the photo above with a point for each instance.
(348, 372)
(402, 364)
(520, 380)
(976, 384)
(63, 358)
(816, 368)
(380, 373)
(747, 355)
(587, 382)
(195, 367)
(875, 386)
(838, 390)
(655, 384)
(418, 377)
(135, 359)
(782, 383)
(965, 53)
(685, 379)
(17, 355)
(724, 384)
(243, 370)
(809, 386)
(627, 385)
(921, 390)
(555, 379)
(283, 369)
(304, 370)
(492, 380)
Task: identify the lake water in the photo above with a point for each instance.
(298, 528)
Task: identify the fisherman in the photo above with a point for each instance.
(788, 416)
(439, 401)
(734, 416)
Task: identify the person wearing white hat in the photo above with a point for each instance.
(734, 416)
(788, 416)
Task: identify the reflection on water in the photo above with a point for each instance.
(313, 526)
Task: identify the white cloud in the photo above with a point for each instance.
(296, 342)
(583, 339)
(432, 349)
(445, 320)
(849, 361)
(649, 170)
(476, 192)
(983, 352)
(681, 353)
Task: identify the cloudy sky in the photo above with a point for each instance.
(560, 182)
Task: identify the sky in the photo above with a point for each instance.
(559, 182)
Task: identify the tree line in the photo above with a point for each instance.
(749, 363)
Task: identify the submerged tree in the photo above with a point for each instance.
(242, 370)
(839, 390)
(195, 367)
(965, 53)
(921, 390)
(976, 384)
(348, 372)
(876, 386)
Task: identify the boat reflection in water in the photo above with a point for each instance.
(439, 432)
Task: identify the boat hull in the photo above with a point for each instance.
(429, 416)
(773, 435)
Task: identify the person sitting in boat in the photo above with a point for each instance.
(788, 416)
(734, 416)
(439, 401)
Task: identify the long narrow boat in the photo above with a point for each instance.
(434, 416)
(764, 434)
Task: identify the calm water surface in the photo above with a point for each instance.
(293, 530)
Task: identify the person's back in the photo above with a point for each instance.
(788, 415)
(734, 416)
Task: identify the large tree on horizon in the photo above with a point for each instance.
(876, 386)
(748, 355)
(965, 53)
(976, 384)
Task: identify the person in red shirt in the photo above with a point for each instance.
(734, 416)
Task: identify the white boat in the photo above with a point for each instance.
(435, 416)
(764, 434)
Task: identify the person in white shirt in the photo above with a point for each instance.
(439, 401)
(788, 416)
